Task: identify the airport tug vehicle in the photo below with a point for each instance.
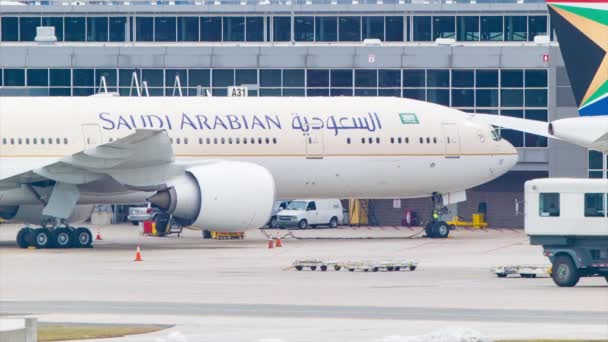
(569, 218)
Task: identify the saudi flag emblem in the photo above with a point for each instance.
(409, 118)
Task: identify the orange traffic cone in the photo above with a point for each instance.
(138, 254)
(279, 244)
(270, 243)
(98, 237)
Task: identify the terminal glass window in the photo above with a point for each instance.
(14, 77)
(211, 29)
(57, 23)
(109, 75)
(326, 29)
(164, 29)
(373, 28)
(594, 205)
(304, 29)
(491, 28)
(60, 77)
(10, 29)
(549, 204)
(118, 29)
(468, 28)
(537, 26)
(281, 29)
(254, 29)
(293, 78)
(598, 165)
(349, 29)
(74, 29)
(389, 78)
(187, 29)
(443, 27)
(422, 28)
(394, 29)
(199, 77)
(28, 26)
(145, 29)
(516, 28)
(270, 78)
(38, 77)
(234, 29)
(97, 29)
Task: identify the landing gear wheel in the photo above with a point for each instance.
(23, 237)
(565, 273)
(441, 230)
(83, 238)
(429, 230)
(333, 223)
(302, 224)
(41, 238)
(63, 238)
(323, 268)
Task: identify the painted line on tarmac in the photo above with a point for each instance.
(306, 311)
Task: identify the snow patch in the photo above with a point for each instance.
(450, 334)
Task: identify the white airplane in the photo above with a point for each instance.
(581, 29)
(220, 163)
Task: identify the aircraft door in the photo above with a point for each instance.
(314, 144)
(91, 135)
(451, 140)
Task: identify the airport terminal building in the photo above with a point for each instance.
(487, 56)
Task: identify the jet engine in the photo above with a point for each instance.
(222, 196)
(588, 131)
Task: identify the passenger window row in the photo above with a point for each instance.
(229, 141)
(34, 141)
(397, 140)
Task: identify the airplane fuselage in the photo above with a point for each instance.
(314, 147)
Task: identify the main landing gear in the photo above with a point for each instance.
(58, 237)
(437, 228)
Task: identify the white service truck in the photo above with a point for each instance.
(569, 218)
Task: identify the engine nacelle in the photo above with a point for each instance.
(224, 196)
(588, 131)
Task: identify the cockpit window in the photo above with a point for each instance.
(495, 135)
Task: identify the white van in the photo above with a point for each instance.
(302, 213)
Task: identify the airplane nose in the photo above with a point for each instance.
(511, 155)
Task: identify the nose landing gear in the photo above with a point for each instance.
(437, 228)
(54, 237)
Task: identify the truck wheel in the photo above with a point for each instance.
(333, 223)
(312, 268)
(501, 275)
(298, 268)
(606, 277)
(302, 224)
(565, 273)
(323, 268)
(273, 222)
(441, 230)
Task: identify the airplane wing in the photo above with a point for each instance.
(524, 125)
(142, 160)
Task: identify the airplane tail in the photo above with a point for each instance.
(582, 32)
